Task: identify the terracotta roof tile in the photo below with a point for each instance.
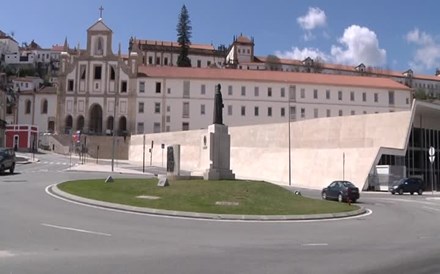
(174, 44)
(270, 76)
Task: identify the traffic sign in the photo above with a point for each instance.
(431, 159)
(431, 151)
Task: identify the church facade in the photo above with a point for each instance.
(96, 87)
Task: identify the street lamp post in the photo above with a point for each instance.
(290, 156)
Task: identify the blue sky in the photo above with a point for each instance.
(395, 35)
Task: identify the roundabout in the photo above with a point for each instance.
(41, 234)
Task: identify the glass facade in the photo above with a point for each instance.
(416, 159)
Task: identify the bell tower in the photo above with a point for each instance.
(99, 38)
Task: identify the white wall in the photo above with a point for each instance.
(261, 151)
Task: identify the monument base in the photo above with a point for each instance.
(218, 174)
(219, 147)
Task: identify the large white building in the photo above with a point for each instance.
(174, 99)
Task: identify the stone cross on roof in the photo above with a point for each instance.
(100, 12)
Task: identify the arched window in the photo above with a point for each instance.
(44, 106)
(28, 107)
(99, 46)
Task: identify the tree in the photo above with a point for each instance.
(183, 37)
(273, 62)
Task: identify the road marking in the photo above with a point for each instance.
(431, 208)
(76, 229)
(5, 253)
(315, 244)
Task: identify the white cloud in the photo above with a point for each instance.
(301, 54)
(359, 45)
(427, 54)
(314, 18)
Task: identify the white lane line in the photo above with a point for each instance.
(6, 253)
(431, 208)
(76, 229)
(315, 244)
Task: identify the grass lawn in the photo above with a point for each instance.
(253, 197)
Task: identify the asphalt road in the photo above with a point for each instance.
(42, 234)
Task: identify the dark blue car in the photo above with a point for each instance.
(341, 191)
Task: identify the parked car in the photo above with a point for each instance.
(7, 160)
(341, 191)
(405, 185)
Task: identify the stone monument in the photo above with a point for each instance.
(218, 144)
(173, 161)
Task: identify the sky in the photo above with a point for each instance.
(389, 34)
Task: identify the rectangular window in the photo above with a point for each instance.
(292, 113)
(283, 92)
(340, 112)
(185, 113)
(243, 111)
(407, 100)
(203, 89)
(141, 107)
(376, 97)
(186, 88)
(315, 113)
(141, 87)
(257, 91)
(303, 112)
(364, 96)
(229, 110)
(315, 94)
(351, 95)
(283, 112)
(156, 127)
(156, 107)
(340, 95)
(229, 90)
(168, 108)
(353, 112)
(303, 93)
(328, 113)
(269, 92)
(185, 126)
(243, 91)
(168, 119)
(97, 73)
(391, 97)
(169, 90)
(256, 111)
(158, 87)
(199, 63)
(150, 60)
(123, 86)
(292, 93)
(165, 61)
(327, 94)
(202, 109)
(112, 73)
(269, 111)
(140, 128)
(208, 63)
(365, 112)
(82, 72)
(157, 60)
(70, 85)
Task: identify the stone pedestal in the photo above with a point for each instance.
(218, 144)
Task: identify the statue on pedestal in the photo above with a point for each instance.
(218, 106)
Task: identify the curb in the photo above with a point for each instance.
(54, 190)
